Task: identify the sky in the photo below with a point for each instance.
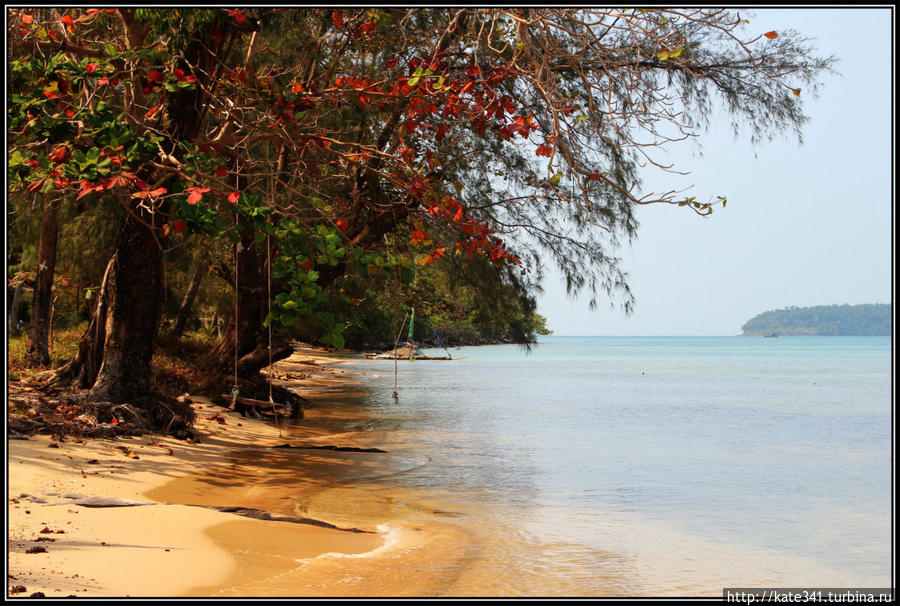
(805, 225)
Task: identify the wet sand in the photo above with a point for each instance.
(387, 538)
(172, 546)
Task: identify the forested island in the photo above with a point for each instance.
(832, 320)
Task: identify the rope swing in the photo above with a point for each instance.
(236, 390)
(395, 395)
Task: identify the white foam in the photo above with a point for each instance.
(390, 536)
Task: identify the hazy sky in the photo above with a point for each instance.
(805, 224)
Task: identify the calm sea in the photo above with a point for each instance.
(635, 465)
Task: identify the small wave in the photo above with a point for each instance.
(390, 536)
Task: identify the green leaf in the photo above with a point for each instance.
(16, 158)
(337, 340)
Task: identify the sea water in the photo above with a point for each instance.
(638, 466)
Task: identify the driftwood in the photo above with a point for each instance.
(332, 447)
(258, 514)
(253, 397)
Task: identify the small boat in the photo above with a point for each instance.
(407, 352)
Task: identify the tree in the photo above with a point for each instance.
(38, 351)
(369, 141)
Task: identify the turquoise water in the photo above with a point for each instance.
(697, 460)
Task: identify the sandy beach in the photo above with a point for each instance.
(168, 542)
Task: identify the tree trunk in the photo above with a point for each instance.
(250, 311)
(86, 364)
(134, 294)
(13, 323)
(38, 353)
(185, 310)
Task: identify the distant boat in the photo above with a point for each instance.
(774, 334)
(407, 352)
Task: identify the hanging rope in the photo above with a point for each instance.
(269, 301)
(395, 395)
(269, 372)
(235, 389)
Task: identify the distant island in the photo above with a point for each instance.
(835, 320)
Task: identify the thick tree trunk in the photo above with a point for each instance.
(134, 294)
(38, 352)
(184, 311)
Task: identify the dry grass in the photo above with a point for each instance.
(176, 366)
(63, 349)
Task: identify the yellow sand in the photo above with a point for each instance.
(157, 550)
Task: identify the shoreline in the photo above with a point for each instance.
(168, 545)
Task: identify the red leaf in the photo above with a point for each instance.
(195, 197)
(155, 76)
(102, 81)
(234, 196)
(50, 94)
(238, 15)
(544, 150)
(221, 172)
(771, 35)
(59, 154)
(152, 110)
(158, 191)
(337, 17)
(91, 67)
(27, 19)
(178, 225)
(67, 20)
(342, 224)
